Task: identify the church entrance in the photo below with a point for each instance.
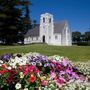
(43, 39)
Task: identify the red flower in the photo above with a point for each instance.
(11, 76)
(9, 80)
(32, 78)
(4, 66)
(3, 71)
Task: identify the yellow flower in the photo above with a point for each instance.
(21, 75)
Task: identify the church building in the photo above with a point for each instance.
(49, 32)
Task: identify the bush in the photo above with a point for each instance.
(83, 43)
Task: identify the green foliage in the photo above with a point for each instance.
(87, 36)
(76, 36)
(81, 39)
(11, 20)
(83, 43)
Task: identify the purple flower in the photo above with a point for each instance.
(47, 65)
(6, 57)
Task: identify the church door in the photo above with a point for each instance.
(43, 39)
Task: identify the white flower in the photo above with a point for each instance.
(12, 60)
(18, 86)
(9, 68)
(22, 63)
(1, 61)
(25, 88)
(33, 63)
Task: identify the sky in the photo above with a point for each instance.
(76, 12)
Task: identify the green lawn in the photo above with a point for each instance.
(74, 53)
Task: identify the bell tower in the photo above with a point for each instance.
(46, 27)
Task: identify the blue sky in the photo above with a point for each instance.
(76, 12)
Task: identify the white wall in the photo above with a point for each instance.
(56, 40)
(68, 36)
(46, 28)
(31, 40)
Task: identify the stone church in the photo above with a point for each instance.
(49, 32)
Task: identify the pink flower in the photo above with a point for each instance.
(82, 78)
(43, 83)
(65, 62)
(31, 68)
(26, 71)
(59, 67)
(53, 75)
(74, 75)
(38, 71)
(60, 82)
(69, 71)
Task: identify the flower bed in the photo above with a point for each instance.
(33, 71)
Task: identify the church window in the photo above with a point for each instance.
(56, 37)
(43, 20)
(43, 27)
(32, 38)
(36, 38)
(49, 37)
(50, 20)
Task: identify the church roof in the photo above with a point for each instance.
(58, 28)
(33, 32)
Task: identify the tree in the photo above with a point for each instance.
(76, 36)
(87, 36)
(83, 38)
(26, 22)
(11, 20)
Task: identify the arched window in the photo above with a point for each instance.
(43, 20)
(50, 20)
(56, 37)
(32, 38)
(36, 38)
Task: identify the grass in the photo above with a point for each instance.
(74, 53)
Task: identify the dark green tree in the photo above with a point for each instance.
(76, 36)
(87, 36)
(12, 19)
(83, 38)
(26, 21)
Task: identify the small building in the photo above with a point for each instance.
(49, 32)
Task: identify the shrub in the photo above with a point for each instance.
(83, 43)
